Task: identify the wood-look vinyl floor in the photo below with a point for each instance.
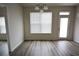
(47, 48)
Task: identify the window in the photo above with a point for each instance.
(63, 27)
(64, 13)
(2, 25)
(40, 22)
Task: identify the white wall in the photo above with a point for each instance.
(76, 29)
(15, 26)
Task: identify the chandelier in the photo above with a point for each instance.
(41, 7)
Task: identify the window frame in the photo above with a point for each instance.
(40, 32)
(64, 14)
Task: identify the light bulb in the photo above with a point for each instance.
(45, 7)
(36, 8)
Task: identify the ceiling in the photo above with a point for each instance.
(49, 4)
(34, 4)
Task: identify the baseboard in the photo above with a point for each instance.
(16, 46)
(3, 40)
(48, 40)
(76, 41)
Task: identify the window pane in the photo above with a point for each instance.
(2, 25)
(35, 18)
(35, 22)
(64, 13)
(46, 22)
(63, 27)
(46, 18)
(46, 28)
(35, 28)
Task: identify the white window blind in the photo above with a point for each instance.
(2, 25)
(40, 22)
